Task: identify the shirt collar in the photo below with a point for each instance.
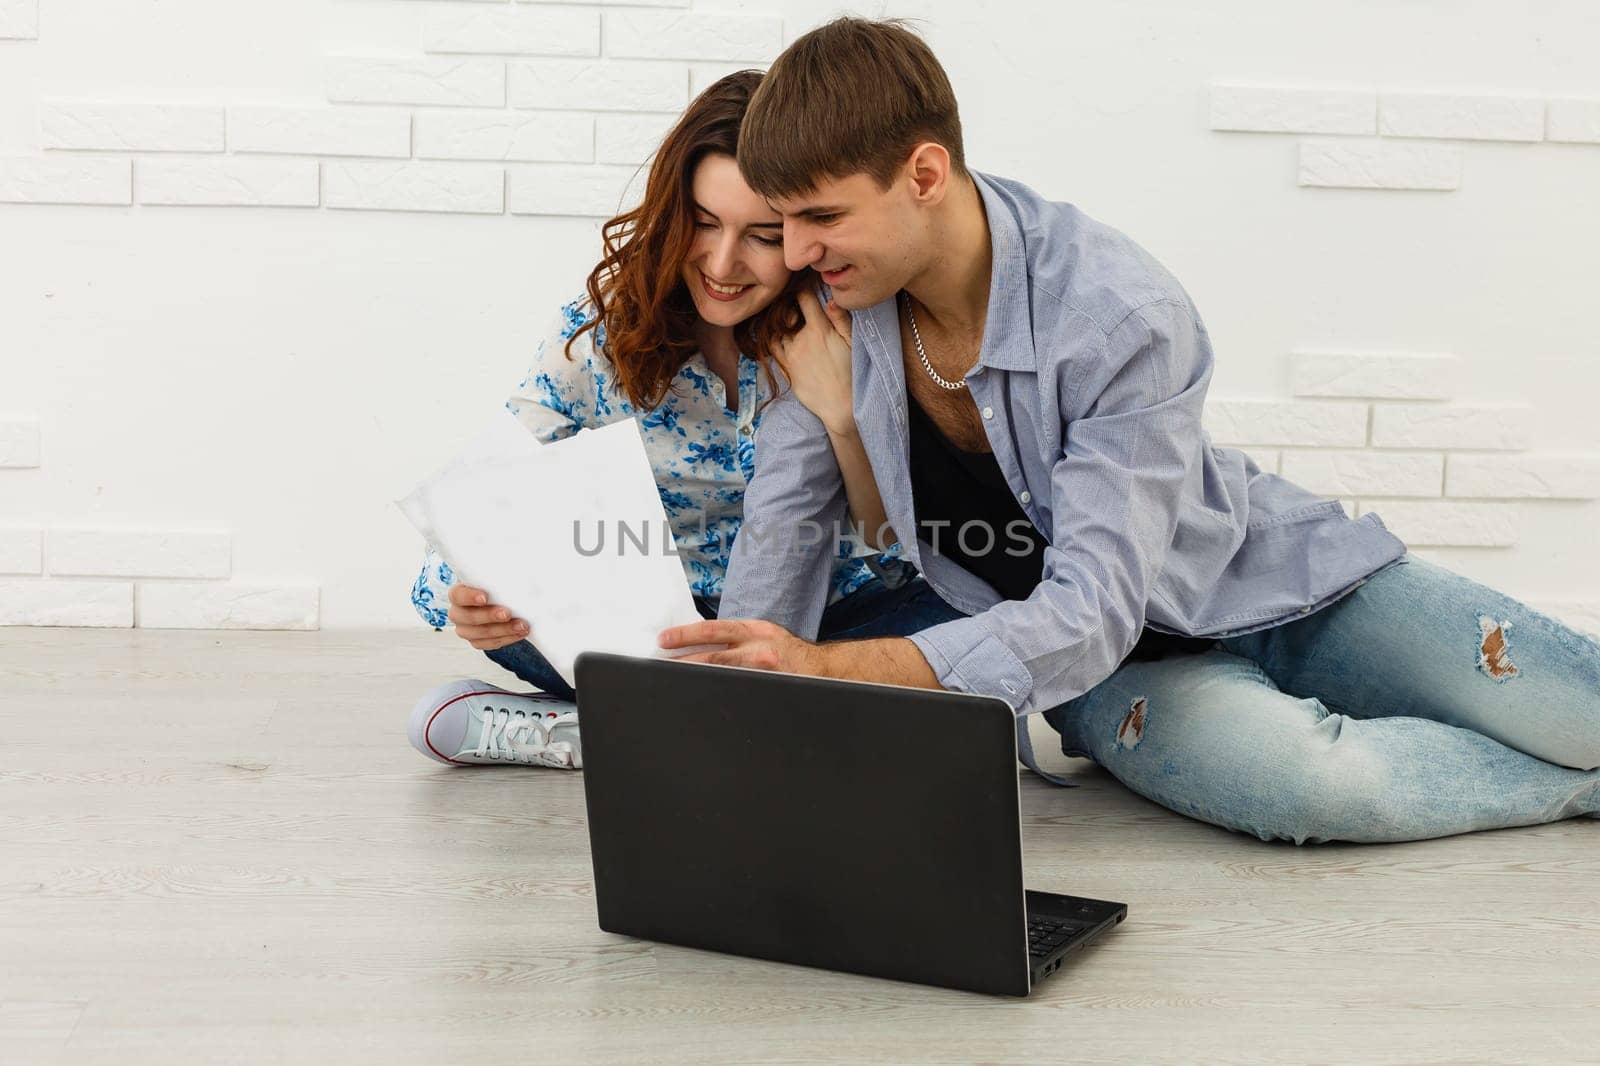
(1008, 329)
(1008, 325)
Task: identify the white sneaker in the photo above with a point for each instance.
(471, 722)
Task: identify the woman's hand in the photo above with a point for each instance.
(816, 360)
(480, 623)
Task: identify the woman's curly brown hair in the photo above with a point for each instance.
(637, 290)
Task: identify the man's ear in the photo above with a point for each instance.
(928, 170)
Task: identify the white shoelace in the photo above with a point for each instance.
(518, 736)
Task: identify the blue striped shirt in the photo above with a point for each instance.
(1090, 382)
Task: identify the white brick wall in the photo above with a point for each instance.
(21, 550)
(599, 85)
(218, 182)
(319, 131)
(630, 139)
(187, 605)
(130, 127)
(1550, 477)
(573, 123)
(33, 602)
(1269, 109)
(471, 101)
(413, 187)
(592, 191)
(1379, 165)
(1365, 473)
(1576, 121)
(702, 75)
(66, 181)
(451, 81)
(1278, 422)
(137, 553)
(546, 107)
(1454, 426)
(515, 31)
(1405, 122)
(542, 136)
(1440, 523)
(1267, 459)
(1481, 118)
(64, 599)
(1368, 476)
(19, 443)
(713, 37)
(466, 44)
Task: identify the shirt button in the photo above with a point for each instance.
(1026, 497)
(988, 413)
(1305, 610)
(745, 430)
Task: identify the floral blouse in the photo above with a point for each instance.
(703, 455)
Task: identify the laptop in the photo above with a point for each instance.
(865, 828)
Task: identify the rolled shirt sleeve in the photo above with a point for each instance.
(558, 395)
(1116, 490)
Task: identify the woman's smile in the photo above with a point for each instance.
(718, 291)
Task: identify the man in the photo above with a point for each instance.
(1022, 369)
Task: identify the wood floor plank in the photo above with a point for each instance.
(227, 852)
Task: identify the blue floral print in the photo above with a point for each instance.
(717, 453)
(427, 593)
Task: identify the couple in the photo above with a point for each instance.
(691, 281)
(1024, 391)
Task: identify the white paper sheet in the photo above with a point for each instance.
(540, 528)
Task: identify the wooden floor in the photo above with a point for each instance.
(218, 847)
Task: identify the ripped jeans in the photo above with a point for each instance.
(1422, 704)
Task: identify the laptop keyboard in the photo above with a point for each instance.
(1047, 934)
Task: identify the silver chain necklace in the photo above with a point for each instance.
(953, 386)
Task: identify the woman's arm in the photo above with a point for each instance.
(861, 488)
(816, 362)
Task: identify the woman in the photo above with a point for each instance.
(684, 315)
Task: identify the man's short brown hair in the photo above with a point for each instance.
(852, 96)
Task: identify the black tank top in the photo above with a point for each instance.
(966, 513)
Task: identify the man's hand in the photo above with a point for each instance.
(765, 646)
(755, 644)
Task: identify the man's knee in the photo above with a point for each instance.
(1579, 748)
(1329, 787)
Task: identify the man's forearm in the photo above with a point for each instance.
(886, 660)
